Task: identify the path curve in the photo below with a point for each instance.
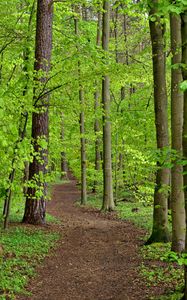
(96, 259)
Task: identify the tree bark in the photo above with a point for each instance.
(96, 106)
(83, 150)
(64, 163)
(160, 212)
(82, 130)
(108, 202)
(184, 73)
(35, 206)
(177, 194)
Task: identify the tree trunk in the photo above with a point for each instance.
(108, 202)
(126, 54)
(36, 196)
(82, 130)
(22, 125)
(177, 194)
(160, 213)
(96, 105)
(64, 164)
(184, 73)
(83, 151)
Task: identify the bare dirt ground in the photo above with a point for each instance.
(96, 258)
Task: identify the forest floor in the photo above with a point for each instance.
(97, 257)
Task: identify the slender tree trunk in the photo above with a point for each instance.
(22, 127)
(177, 194)
(116, 165)
(160, 213)
(26, 55)
(184, 73)
(97, 142)
(96, 106)
(108, 202)
(123, 92)
(126, 58)
(36, 197)
(82, 130)
(83, 150)
(64, 164)
(25, 177)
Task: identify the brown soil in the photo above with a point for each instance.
(96, 259)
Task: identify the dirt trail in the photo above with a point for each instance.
(96, 259)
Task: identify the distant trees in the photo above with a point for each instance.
(29, 80)
(97, 74)
(103, 69)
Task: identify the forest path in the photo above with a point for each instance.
(96, 259)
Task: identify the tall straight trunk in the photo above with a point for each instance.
(177, 193)
(35, 206)
(83, 149)
(115, 21)
(96, 106)
(184, 73)
(160, 211)
(116, 165)
(108, 202)
(123, 93)
(64, 164)
(82, 130)
(126, 58)
(26, 55)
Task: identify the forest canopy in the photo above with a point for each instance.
(96, 89)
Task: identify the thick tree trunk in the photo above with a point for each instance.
(177, 194)
(184, 61)
(108, 202)
(160, 213)
(36, 196)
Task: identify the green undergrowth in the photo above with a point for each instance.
(156, 269)
(22, 248)
(137, 213)
(159, 270)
